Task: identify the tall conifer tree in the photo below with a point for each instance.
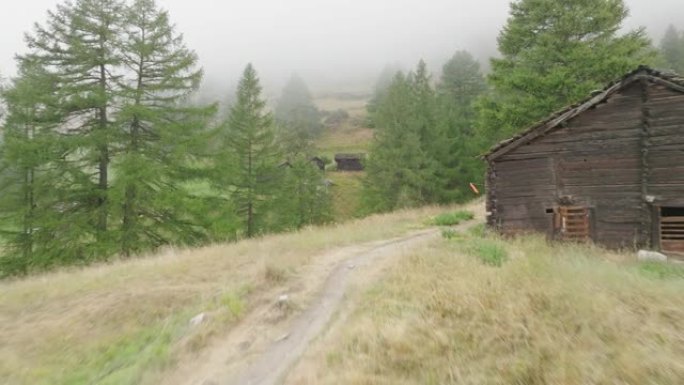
(672, 48)
(160, 134)
(250, 156)
(554, 53)
(80, 45)
(28, 150)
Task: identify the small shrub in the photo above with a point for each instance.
(478, 231)
(234, 303)
(452, 219)
(490, 251)
(275, 274)
(452, 234)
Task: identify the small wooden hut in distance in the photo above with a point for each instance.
(609, 169)
(349, 162)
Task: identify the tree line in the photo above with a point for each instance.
(430, 134)
(104, 153)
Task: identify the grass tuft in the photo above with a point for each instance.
(453, 218)
(661, 270)
(489, 250)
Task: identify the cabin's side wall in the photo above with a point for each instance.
(664, 109)
(594, 160)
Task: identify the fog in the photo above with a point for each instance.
(332, 44)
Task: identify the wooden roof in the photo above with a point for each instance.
(544, 127)
(349, 156)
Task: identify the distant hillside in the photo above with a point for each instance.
(345, 132)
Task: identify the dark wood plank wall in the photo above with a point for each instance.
(665, 158)
(595, 159)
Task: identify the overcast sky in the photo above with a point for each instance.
(327, 41)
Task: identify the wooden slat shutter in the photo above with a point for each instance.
(573, 224)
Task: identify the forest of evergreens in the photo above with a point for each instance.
(106, 153)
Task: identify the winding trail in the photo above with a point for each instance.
(266, 344)
(281, 355)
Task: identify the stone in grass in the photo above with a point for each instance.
(198, 319)
(283, 301)
(651, 256)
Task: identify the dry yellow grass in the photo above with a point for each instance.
(548, 315)
(356, 107)
(123, 322)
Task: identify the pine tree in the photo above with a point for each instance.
(461, 83)
(382, 84)
(296, 111)
(672, 48)
(250, 157)
(302, 197)
(554, 53)
(432, 135)
(160, 133)
(402, 169)
(29, 148)
(80, 46)
(461, 80)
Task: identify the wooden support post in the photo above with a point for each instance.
(646, 233)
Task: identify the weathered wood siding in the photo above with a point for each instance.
(665, 151)
(594, 160)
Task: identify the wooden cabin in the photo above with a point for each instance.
(318, 162)
(609, 169)
(349, 162)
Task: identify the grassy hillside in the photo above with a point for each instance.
(349, 136)
(480, 310)
(124, 322)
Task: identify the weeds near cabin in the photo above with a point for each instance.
(661, 270)
(453, 218)
(489, 251)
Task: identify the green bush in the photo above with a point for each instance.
(454, 218)
(490, 251)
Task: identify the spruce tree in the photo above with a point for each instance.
(250, 156)
(672, 49)
(160, 134)
(397, 168)
(554, 53)
(461, 83)
(302, 197)
(296, 111)
(432, 134)
(382, 84)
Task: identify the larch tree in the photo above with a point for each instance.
(160, 134)
(249, 158)
(80, 45)
(27, 152)
(554, 53)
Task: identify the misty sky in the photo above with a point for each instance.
(327, 41)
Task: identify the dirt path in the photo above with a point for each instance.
(270, 340)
